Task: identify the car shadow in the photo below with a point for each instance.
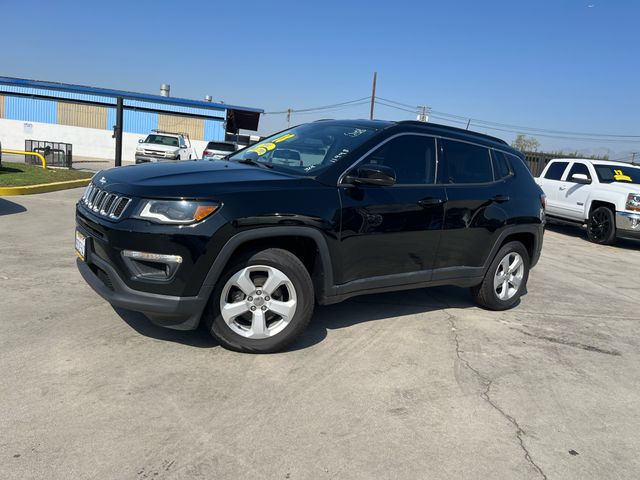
(10, 208)
(366, 308)
(580, 232)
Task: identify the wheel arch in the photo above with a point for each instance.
(529, 235)
(298, 240)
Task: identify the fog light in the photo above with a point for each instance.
(151, 266)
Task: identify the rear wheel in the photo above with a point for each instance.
(505, 280)
(262, 303)
(601, 227)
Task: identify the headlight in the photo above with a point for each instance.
(633, 202)
(139, 149)
(171, 155)
(176, 212)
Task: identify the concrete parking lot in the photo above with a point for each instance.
(418, 384)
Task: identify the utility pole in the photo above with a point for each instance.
(118, 131)
(633, 158)
(373, 95)
(288, 117)
(423, 113)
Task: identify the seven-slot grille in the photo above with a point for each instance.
(107, 204)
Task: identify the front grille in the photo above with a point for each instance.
(110, 205)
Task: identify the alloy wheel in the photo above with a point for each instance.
(258, 301)
(508, 276)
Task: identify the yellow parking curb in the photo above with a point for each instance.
(44, 187)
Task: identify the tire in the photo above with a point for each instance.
(601, 227)
(494, 293)
(251, 325)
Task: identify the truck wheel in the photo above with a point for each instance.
(261, 303)
(601, 227)
(505, 280)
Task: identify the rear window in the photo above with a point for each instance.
(221, 146)
(555, 170)
(467, 163)
(501, 164)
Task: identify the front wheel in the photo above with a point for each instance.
(262, 303)
(505, 280)
(601, 227)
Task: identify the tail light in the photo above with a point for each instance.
(204, 153)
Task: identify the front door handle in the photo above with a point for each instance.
(430, 202)
(500, 198)
(563, 187)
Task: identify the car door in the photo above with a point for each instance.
(551, 184)
(573, 195)
(474, 210)
(393, 230)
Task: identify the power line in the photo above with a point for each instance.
(324, 107)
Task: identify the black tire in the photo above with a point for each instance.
(298, 275)
(486, 295)
(601, 227)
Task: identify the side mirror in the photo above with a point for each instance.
(140, 140)
(580, 178)
(371, 174)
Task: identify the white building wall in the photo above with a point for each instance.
(86, 142)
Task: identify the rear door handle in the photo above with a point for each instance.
(429, 202)
(500, 198)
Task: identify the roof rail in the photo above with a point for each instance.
(323, 120)
(184, 134)
(455, 129)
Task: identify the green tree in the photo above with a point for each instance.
(525, 144)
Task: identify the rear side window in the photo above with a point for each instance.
(221, 146)
(412, 157)
(466, 163)
(555, 170)
(501, 164)
(579, 168)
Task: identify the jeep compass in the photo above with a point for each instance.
(320, 212)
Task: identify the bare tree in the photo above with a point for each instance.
(526, 144)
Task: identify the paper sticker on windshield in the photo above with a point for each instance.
(263, 148)
(621, 177)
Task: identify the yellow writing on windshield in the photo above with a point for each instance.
(263, 148)
(621, 177)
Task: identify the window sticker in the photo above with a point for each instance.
(339, 155)
(263, 148)
(619, 176)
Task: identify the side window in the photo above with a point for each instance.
(466, 163)
(412, 157)
(579, 168)
(555, 170)
(501, 164)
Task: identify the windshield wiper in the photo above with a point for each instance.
(249, 161)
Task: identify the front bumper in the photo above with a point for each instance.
(180, 313)
(628, 224)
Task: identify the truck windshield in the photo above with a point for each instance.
(618, 173)
(306, 149)
(162, 140)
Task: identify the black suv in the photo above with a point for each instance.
(317, 213)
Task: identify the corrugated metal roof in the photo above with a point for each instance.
(105, 92)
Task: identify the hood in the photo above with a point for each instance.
(191, 179)
(620, 187)
(158, 147)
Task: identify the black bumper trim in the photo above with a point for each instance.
(180, 313)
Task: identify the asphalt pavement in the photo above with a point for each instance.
(409, 385)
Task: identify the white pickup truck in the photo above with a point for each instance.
(603, 195)
(162, 146)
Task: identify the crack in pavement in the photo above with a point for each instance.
(570, 343)
(488, 382)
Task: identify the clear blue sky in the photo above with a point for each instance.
(563, 65)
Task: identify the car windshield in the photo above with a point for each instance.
(221, 146)
(162, 140)
(307, 148)
(618, 173)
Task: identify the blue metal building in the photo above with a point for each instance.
(92, 107)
